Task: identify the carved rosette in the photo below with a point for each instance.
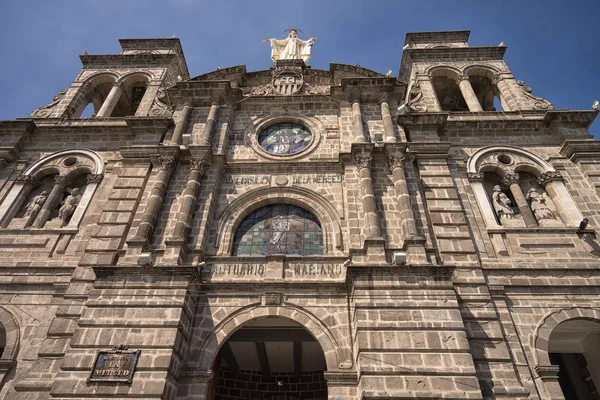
(475, 176)
(548, 177)
(396, 161)
(273, 299)
(511, 178)
(363, 161)
(94, 178)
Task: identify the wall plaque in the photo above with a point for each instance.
(116, 365)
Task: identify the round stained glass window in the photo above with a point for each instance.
(284, 138)
(278, 229)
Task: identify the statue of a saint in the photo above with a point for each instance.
(538, 205)
(34, 207)
(69, 204)
(502, 204)
(291, 48)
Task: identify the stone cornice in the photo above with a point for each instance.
(575, 149)
(142, 59)
(430, 148)
(570, 118)
(204, 93)
(426, 119)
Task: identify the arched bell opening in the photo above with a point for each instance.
(449, 94)
(269, 358)
(574, 346)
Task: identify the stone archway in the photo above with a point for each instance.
(567, 354)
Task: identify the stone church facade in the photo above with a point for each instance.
(296, 233)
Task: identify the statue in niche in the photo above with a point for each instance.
(34, 207)
(538, 205)
(502, 204)
(68, 206)
(291, 48)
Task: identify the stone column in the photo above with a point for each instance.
(60, 185)
(503, 91)
(409, 227)
(565, 206)
(165, 169)
(189, 198)
(512, 181)
(359, 133)
(209, 127)
(371, 219)
(16, 197)
(111, 101)
(469, 94)
(181, 125)
(388, 124)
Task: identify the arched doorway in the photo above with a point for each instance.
(574, 346)
(269, 358)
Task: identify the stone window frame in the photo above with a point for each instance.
(315, 127)
(88, 162)
(239, 208)
(486, 160)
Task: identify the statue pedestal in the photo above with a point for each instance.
(286, 64)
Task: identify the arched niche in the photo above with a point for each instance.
(445, 84)
(516, 167)
(9, 339)
(322, 209)
(79, 169)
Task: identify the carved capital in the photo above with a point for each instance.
(510, 178)
(363, 161)
(396, 161)
(462, 77)
(200, 165)
(497, 78)
(354, 96)
(164, 163)
(475, 176)
(384, 97)
(62, 180)
(26, 179)
(94, 178)
(548, 177)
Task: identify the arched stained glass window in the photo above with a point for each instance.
(279, 229)
(285, 138)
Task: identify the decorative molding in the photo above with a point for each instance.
(415, 98)
(538, 102)
(46, 110)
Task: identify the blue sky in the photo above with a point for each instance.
(554, 46)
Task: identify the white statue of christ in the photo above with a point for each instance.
(291, 48)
